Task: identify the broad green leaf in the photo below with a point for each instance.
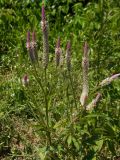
(69, 140)
(98, 146)
(76, 144)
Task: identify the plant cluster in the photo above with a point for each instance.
(62, 107)
(70, 130)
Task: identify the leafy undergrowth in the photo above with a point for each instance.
(74, 132)
(20, 139)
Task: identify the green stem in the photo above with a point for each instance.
(100, 40)
(68, 103)
(46, 102)
(34, 101)
(47, 113)
(71, 83)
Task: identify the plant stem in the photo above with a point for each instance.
(71, 83)
(34, 101)
(68, 103)
(46, 107)
(46, 102)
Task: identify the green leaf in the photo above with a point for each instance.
(69, 140)
(76, 144)
(98, 146)
(109, 130)
(111, 147)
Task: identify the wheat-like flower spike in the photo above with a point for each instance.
(29, 48)
(94, 102)
(85, 49)
(34, 46)
(85, 66)
(68, 56)
(43, 13)
(109, 80)
(58, 52)
(44, 27)
(25, 80)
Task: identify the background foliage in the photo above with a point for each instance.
(86, 136)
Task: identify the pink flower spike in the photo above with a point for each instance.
(83, 98)
(105, 82)
(94, 102)
(68, 45)
(98, 96)
(109, 80)
(58, 52)
(58, 43)
(25, 80)
(85, 67)
(43, 13)
(28, 36)
(68, 55)
(33, 37)
(33, 43)
(85, 49)
(115, 76)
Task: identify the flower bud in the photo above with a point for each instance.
(25, 80)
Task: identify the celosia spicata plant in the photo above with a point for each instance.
(67, 123)
(60, 111)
